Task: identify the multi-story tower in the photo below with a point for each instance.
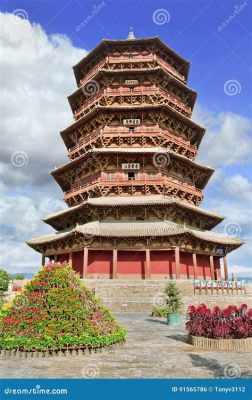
(132, 184)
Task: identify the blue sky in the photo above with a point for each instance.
(192, 31)
(221, 62)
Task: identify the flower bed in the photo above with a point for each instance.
(220, 344)
(55, 312)
(223, 329)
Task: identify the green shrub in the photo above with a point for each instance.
(173, 302)
(159, 312)
(4, 280)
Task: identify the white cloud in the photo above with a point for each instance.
(17, 257)
(36, 80)
(240, 270)
(37, 77)
(227, 146)
(232, 197)
(227, 140)
(238, 188)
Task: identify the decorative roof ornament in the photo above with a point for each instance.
(131, 34)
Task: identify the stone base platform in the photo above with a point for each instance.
(122, 295)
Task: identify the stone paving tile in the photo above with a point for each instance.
(152, 350)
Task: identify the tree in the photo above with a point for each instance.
(18, 276)
(4, 280)
(173, 298)
(172, 302)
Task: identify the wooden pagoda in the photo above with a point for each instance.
(132, 184)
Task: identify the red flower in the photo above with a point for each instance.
(227, 323)
(249, 312)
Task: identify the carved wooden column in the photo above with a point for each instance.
(147, 259)
(85, 262)
(212, 267)
(177, 262)
(225, 268)
(43, 260)
(71, 259)
(195, 266)
(114, 266)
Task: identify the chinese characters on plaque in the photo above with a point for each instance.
(132, 121)
(130, 166)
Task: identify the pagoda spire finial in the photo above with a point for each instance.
(131, 34)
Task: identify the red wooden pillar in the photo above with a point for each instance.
(147, 259)
(71, 259)
(85, 262)
(114, 266)
(195, 266)
(43, 260)
(56, 258)
(225, 268)
(177, 262)
(212, 267)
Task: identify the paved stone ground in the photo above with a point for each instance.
(152, 350)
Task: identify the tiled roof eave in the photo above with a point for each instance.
(142, 70)
(134, 107)
(132, 201)
(137, 229)
(127, 150)
(105, 42)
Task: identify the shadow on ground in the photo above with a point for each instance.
(159, 321)
(218, 370)
(178, 338)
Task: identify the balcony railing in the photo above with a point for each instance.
(170, 69)
(92, 71)
(137, 91)
(150, 90)
(88, 139)
(124, 132)
(138, 58)
(123, 180)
